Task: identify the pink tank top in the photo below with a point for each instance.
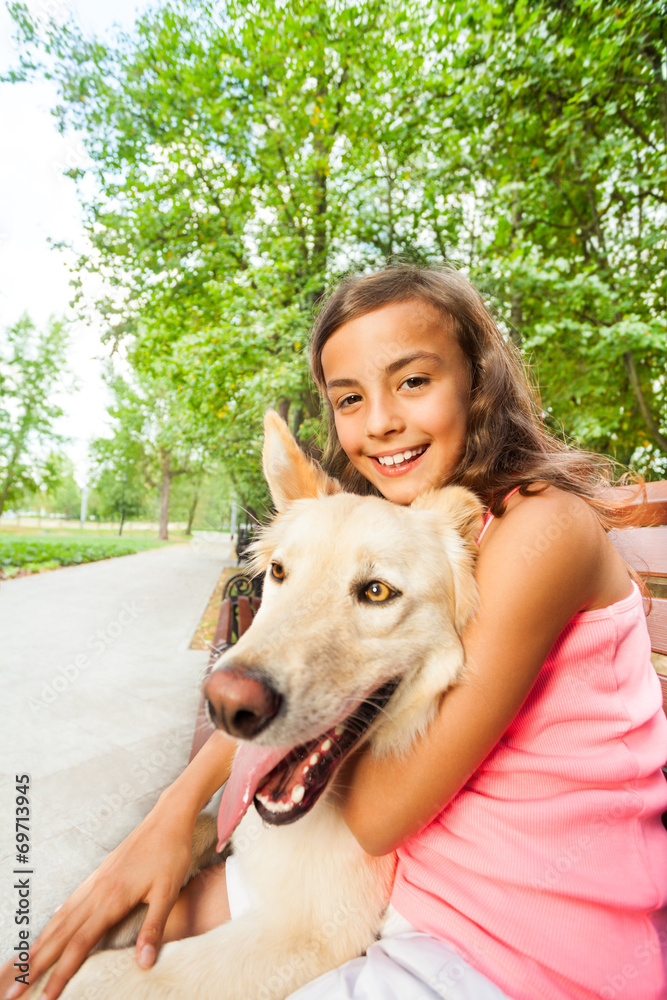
(548, 871)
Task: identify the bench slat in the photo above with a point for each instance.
(657, 624)
(223, 630)
(245, 614)
(224, 636)
(654, 511)
(645, 549)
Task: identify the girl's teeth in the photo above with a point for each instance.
(401, 456)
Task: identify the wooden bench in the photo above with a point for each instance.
(241, 598)
(644, 547)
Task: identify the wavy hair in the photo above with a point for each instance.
(507, 444)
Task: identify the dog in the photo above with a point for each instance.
(357, 637)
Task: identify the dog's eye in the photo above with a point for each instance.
(277, 571)
(377, 591)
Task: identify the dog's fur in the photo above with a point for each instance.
(320, 897)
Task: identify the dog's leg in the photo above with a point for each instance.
(241, 960)
(125, 932)
(204, 840)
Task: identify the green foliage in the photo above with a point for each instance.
(31, 553)
(246, 154)
(32, 367)
(59, 493)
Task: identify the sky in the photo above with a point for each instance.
(39, 203)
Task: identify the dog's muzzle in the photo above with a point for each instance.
(239, 702)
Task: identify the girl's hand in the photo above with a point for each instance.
(149, 866)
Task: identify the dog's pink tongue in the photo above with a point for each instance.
(251, 764)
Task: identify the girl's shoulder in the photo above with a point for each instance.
(554, 534)
(547, 509)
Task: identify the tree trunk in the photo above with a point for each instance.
(283, 408)
(191, 515)
(651, 424)
(11, 465)
(165, 462)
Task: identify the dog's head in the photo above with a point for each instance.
(359, 631)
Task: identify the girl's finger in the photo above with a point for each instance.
(79, 946)
(66, 942)
(150, 936)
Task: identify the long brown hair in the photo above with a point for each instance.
(507, 444)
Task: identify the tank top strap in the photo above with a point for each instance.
(488, 517)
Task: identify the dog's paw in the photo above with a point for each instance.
(107, 975)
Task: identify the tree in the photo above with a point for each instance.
(32, 370)
(245, 154)
(59, 491)
(566, 111)
(230, 145)
(154, 441)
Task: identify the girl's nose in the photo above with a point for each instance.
(383, 417)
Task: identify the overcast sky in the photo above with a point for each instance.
(39, 203)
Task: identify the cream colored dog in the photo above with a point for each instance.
(358, 635)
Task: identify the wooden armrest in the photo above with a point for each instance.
(236, 614)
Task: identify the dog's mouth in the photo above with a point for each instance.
(285, 786)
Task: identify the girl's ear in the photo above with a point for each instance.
(290, 474)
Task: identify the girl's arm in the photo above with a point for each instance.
(147, 867)
(544, 560)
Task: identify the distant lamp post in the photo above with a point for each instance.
(84, 506)
(232, 521)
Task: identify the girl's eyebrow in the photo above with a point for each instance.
(390, 369)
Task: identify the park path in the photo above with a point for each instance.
(99, 696)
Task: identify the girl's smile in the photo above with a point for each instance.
(398, 383)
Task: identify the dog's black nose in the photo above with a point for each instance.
(240, 704)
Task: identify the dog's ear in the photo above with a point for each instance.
(458, 505)
(290, 474)
(461, 510)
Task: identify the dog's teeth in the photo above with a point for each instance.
(298, 793)
(339, 730)
(326, 746)
(314, 757)
(275, 807)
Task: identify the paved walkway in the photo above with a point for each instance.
(99, 696)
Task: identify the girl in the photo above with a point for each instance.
(532, 861)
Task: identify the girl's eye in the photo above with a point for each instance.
(347, 401)
(415, 382)
(376, 592)
(277, 571)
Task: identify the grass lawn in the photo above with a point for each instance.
(32, 552)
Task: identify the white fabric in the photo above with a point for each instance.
(239, 895)
(394, 923)
(404, 966)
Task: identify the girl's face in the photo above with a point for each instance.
(399, 386)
